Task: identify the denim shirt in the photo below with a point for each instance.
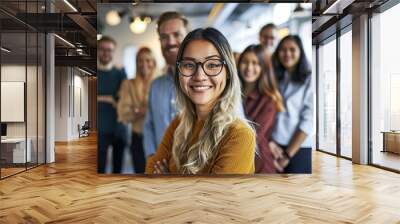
(298, 114)
(160, 112)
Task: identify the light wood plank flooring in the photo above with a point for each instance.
(70, 191)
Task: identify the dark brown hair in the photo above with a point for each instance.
(171, 15)
(106, 39)
(266, 83)
(303, 67)
(267, 26)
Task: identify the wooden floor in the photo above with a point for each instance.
(10, 171)
(387, 159)
(70, 191)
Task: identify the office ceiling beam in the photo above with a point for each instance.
(78, 61)
(86, 27)
(337, 7)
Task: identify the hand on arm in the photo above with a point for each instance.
(296, 142)
(107, 99)
(139, 112)
(158, 163)
(161, 167)
(282, 158)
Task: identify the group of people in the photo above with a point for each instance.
(211, 112)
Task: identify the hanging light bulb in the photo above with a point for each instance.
(113, 18)
(138, 26)
(147, 19)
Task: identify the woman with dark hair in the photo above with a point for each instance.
(291, 141)
(262, 100)
(208, 136)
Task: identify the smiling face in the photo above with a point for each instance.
(268, 38)
(105, 52)
(202, 90)
(145, 64)
(171, 34)
(250, 68)
(289, 54)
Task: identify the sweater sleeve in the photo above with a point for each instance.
(266, 121)
(307, 113)
(236, 155)
(164, 150)
(125, 104)
(121, 78)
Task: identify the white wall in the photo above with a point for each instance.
(15, 73)
(70, 83)
(61, 103)
(33, 126)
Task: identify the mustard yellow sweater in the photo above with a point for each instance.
(235, 154)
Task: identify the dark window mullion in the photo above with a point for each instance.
(37, 91)
(317, 96)
(26, 86)
(369, 100)
(0, 93)
(338, 95)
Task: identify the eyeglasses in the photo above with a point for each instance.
(106, 49)
(211, 67)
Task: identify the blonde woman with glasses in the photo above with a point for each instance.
(208, 136)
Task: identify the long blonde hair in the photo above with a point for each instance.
(193, 159)
(138, 80)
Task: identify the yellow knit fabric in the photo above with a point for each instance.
(235, 154)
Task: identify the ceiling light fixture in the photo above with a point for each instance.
(70, 5)
(5, 50)
(64, 40)
(300, 12)
(147, 19)
(113, 18)
(139, 25)
(135, 2)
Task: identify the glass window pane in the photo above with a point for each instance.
(41, 98)
(14, 151)
(327, 97)
(346, 94)
(31, 97)
(385, 89)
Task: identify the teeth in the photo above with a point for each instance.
(173, 49)
(201, 87)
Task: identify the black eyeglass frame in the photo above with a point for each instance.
(202, 66)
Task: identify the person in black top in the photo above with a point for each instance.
(110, 132)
